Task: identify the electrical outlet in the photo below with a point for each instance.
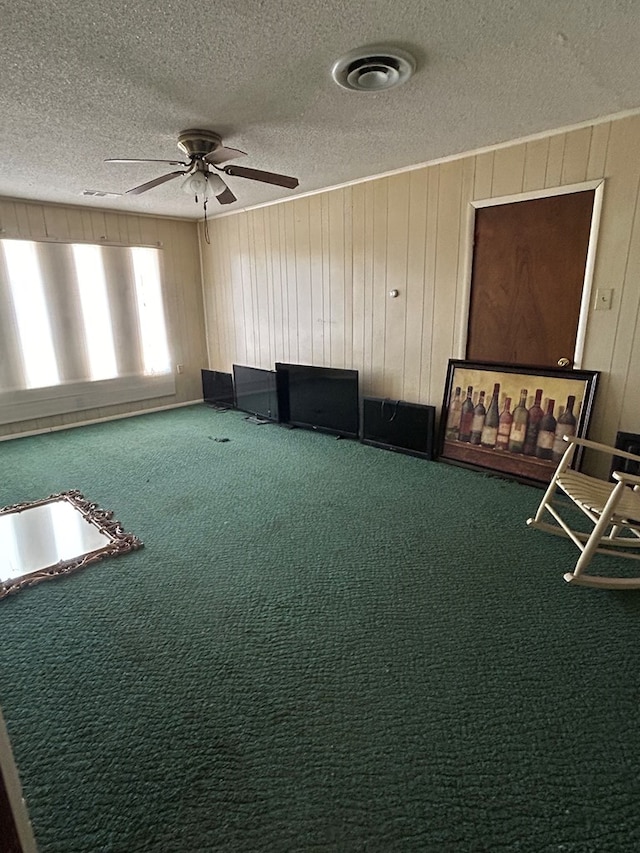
(604, 299)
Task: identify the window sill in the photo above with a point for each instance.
(27, 404)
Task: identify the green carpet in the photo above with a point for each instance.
(321, 647)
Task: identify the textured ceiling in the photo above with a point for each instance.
(83, 80)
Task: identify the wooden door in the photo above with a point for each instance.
(529, 263)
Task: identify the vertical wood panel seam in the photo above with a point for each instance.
(271, 308)
(325, 250)
(564, 145)
(240, 268)
(602, 171)
(624, 279)
(432, 284)
(456, 306)
(296, 288)
(406, 295)
(255, 300)
(346, 220)
(462, 295)
(546, 163)
(311, 287)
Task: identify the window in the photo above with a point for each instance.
(81, 326)
(32, 319)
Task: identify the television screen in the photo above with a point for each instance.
(397, 425)
(323, 398)
(217, 389)
(256, 392)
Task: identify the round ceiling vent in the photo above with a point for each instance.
(373, 69)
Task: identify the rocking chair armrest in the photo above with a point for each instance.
(629, 479)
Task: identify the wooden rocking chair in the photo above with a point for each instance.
(612, 508)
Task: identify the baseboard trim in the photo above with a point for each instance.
(118, 417)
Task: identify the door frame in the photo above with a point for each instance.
(13, 791)
(585, 303)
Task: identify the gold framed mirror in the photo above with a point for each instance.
(43, 539)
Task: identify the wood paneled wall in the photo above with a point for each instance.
(182, 287)
(307, 280)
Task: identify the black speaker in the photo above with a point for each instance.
(630, 443)
(398, 425)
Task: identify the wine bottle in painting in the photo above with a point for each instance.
(453, 416)
(504, 426)
(518, 431)
(491, 420)
(546, 433)
(479, 414)
(535, 416)
(466, 416)
(566, 425)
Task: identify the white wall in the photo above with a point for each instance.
(307, 280)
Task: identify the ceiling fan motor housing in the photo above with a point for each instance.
(198, 143)
(373, 69)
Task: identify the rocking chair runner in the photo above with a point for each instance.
(613, 509)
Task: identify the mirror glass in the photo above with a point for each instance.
(57, 535)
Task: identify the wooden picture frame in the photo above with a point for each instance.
(524, 445)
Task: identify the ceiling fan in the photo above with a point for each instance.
(205, 153)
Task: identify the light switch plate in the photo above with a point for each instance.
(604, 298)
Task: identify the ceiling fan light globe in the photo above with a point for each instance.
(216, 184)
(195, 184)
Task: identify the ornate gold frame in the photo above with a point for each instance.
(120, 542)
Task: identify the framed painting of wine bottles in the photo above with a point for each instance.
(511, 420)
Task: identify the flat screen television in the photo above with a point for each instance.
(256, 392)
(217, 389)
(397, 425)
(322, 398)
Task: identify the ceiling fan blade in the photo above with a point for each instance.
(222, 154)
(127, 160)
(154, 183)
(226, 197)
(259, 175)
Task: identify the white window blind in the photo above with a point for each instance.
(81, 326)
(96, 313)
(39, 364)
(151, 325)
